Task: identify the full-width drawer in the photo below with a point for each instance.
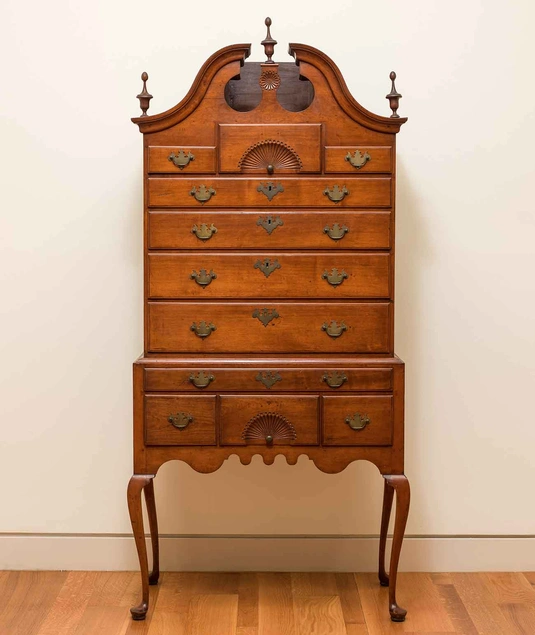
(335, 229)
(355, 159)
(269, 275)
(180, 420)
(236, 327)
(359, 420)
(337, 379)
(263, 420)
(285, 192)
(174, 160)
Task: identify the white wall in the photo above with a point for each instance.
(71, 250)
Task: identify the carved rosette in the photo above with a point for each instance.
(270, 153)
(269, 80)
(269, 427)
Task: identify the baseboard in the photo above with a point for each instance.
(266, 553)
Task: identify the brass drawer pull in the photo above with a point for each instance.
(357, 421)
(202, 329)
(333, 329)
(181, 159)
(270, 426)
(201, 379)
(180, 420)
(268, 378)
(265, 315)
(204, 232)
(269, 223)
(336, 193)
(336, 232)
(358, 160)
(202, 194)
(270, 189)
(203, 278)
(267, 266)
(335, 278)
(334, 379)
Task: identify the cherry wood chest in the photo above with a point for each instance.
(269, 225)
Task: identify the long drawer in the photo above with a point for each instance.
(332, 379)
(294, 192)
(333, 229)
(269, 275)
(236, 327)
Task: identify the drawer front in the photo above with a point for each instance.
(300, 192)
(295, 327)
(177, 160)
(266, 379)
(357, 159)
(180, 420)
(336, 229)
(287, 147)
(269, 275)
(361, 420)
(263, 420)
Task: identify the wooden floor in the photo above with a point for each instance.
(86, 603)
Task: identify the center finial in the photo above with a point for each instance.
(268, 43)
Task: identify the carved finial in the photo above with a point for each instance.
(269, 43)
(144, 96)
(394, 97)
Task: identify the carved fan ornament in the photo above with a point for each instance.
(269, 427)
(270, 155)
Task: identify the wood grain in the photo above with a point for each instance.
(320, 603)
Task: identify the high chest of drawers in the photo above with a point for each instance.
(269, 282)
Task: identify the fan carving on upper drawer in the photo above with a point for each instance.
(271, 155)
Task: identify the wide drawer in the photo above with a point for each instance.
(337, 379)
(180, 420)
(294, 192)
(269, 275)
(262, 420)
(359, 420)
(174, 160)
(335, 229)
(353, 159)
(236, 327)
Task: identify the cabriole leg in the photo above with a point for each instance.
(135, 486)
(153, 524)
(388, 498)
(400, 484)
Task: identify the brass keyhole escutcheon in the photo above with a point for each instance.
(269, 223)
(267, 266)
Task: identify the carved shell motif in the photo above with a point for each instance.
(269, 427)
(272, 154)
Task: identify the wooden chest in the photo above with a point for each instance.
(269, 279)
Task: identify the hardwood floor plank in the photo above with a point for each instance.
(357, 629)
(314, 583)
(216, 613)
(511, 588)
(477, 597)
(318, 615)
(456, 609)
(33, 596)
(175, 591)
(346, 587)
(275, 609)
(70, 604)
(248, 601)
(374, 600)
(530, 577)
(247, 630)
(520, 617)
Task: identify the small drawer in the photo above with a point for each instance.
(269, 275)
(332, 230)
(357, 159)
(175, 160)
(180, 420)
(359, 420)
(268, 379)
(268, 420)
(267, 192)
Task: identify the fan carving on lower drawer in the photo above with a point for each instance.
(270, 427)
